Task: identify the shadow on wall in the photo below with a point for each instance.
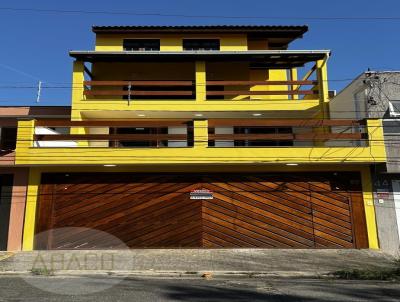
(5, 206)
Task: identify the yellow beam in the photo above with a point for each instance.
(30, 210)
(200, 132)
(369, 208)
(200, 81)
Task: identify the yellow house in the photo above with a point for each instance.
(200, 136)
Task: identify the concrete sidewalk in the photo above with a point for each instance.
(275, 262)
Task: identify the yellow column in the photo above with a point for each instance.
(26, 130)
(294, 77)
(200, 81)
(369, 208)
(376, 139)
(78, 76)
(322, 76)
(200, 132)
(30, 209)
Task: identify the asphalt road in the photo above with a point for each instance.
(15, 288)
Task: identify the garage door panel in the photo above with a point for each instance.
(109, 191)
(332, 226)
(156, 219)
(229, 236)
(269, 199)
(322, 243)
(320, 207)
(327, 208)
(333, 232)
(286, 205)
(154, 237)
(245, 194)
(219, 242)
(267, 212)
(126, 205)
(153, 215)
(142, 224)
(329, 199)
(225, 223)
(188, 239)
(296, 200)
(250, 237)
(262, 223)
(263, 231)
(333, 219)
(286, 210)
(333, 239)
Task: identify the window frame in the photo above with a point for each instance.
(157, 41)
(200, 48)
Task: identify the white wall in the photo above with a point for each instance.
(177, 143)
(224, 130)
(43, 130)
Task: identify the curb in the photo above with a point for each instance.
(175, 274)
(6, 256)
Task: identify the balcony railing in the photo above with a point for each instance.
(134, 90)
(292, 132)
(114, 134)
(244, 88)
(140, 89)
(219, 133)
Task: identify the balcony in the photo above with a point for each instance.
(284, 81)
(223, 141)
(214, 90)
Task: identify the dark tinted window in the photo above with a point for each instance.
(201, 44)
(263, 130)
(8, 138)
(141, 44)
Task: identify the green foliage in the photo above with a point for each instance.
(389, 274)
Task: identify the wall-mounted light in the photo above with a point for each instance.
(109, 165)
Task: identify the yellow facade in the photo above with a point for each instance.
(200, 157)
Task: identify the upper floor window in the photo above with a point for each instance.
(141, 44)
(8, 138)
(201, 44)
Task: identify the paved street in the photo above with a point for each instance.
(15, 288)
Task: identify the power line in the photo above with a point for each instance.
(130, 13)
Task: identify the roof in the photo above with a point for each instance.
(295, 29)
(263, 58)
(35, 111)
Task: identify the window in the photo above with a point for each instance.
(394, 108)
(135, 143)
(141, 44)
(201, 44)
(263, 130)
(8, 138)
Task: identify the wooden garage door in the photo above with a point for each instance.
(298, 210)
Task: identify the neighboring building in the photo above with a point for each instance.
(376, 94)
(13, 178)
(200, 136)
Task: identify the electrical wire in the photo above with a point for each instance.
(130, 13)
